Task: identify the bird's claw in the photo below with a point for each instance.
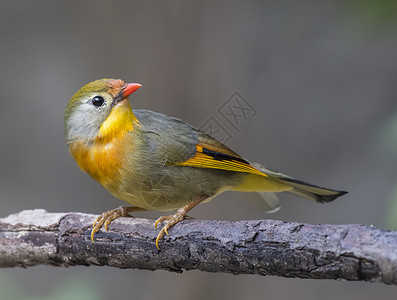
(108, 217)
(171, 220)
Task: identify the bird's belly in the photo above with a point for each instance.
(168, 188)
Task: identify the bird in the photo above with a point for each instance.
(159, 163)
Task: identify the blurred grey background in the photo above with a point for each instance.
(322, 76)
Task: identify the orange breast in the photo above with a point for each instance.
(102, 158)
(102, 161)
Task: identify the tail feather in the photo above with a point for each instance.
(301, 188)
(270, 203)
(312, 192)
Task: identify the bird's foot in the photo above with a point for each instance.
(170, 221)
(109, 216)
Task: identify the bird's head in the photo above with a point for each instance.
(99, 110)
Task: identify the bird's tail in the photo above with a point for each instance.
(300, 188)
(278, 182)
(310, 191)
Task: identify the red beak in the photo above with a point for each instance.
(129, 88)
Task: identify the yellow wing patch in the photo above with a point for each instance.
(206, 158)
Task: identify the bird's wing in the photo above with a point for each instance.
(166, 138)
(210, 153)
(183, 145)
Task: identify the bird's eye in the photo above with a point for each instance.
(97, 101)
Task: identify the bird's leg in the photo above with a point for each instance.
(109, 216)
(176, 218)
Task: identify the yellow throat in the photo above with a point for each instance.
(120, 121)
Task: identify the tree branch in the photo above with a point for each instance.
(264, 247)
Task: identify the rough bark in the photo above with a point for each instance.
(264, 247)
